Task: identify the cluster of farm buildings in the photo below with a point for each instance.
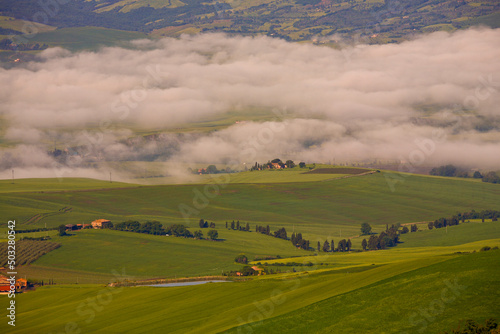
(257, 270)
(20, 285)
(96, 224)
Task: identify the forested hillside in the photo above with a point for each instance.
(378, 21)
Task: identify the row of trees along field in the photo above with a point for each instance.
(455, 220)
(35, 229)
(273, 269)
(237, 226)
(387, 238)
(342, 246)
(276, 164)
(156, 228)
(453, 171)
(205, 224)
(281, 233)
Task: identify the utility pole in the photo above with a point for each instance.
(12, 176)
(110, 178)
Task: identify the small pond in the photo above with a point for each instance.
(163, 285)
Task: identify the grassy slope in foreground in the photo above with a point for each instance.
(334, 301)
(453, 235)
(449, 292)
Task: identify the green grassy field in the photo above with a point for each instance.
(333, 293)
(347, 261)
(314, 302)
(279, 176)
(149, 256)
(88, 38)
(454, 235)
(63, 184)
(449, 292)
(20, 25)
(319, 210)
(143, 256)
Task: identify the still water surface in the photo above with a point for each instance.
(186, 283)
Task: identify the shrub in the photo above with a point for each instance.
(241, 259)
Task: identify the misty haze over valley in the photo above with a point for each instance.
(425, 102)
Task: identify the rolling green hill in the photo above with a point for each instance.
(149, 256)
(320, 210)
(328, 301)
(453, 235)
(85, 38)
(449, 292)
(316, 209)
(354, 291)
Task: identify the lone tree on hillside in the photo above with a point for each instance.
(62, 230)
(365, 228)
(242, 258)
(213, 234)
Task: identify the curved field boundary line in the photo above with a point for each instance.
(348, 176)
(170, 280)
(38, 217)
(33, 219)
(339, 170)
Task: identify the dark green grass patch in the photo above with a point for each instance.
(427, 300)
(340, 170)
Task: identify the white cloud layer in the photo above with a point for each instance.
(361, 103)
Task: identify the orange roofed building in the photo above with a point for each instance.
(100, 223)
(21, 283)
(259, 270)
(5, 284)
